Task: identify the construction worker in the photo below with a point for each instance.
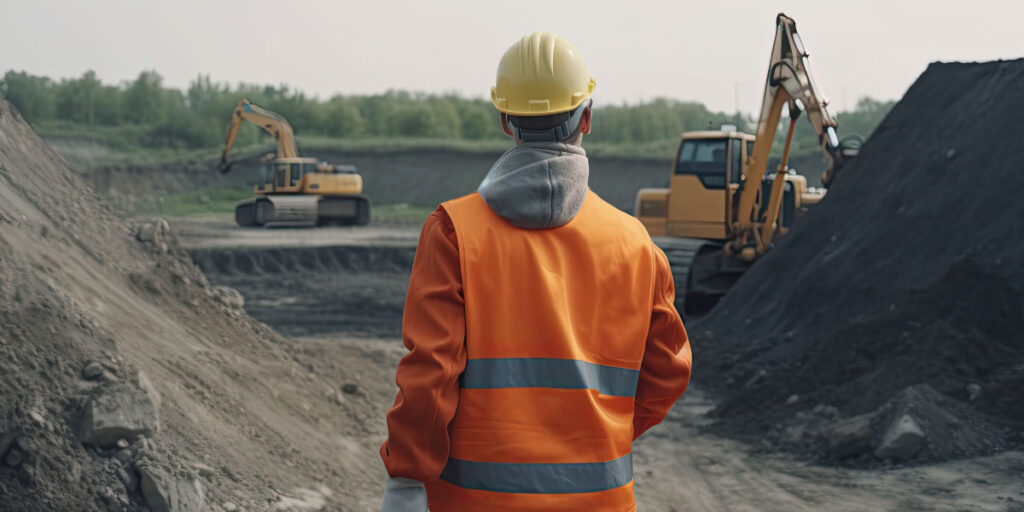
(539, 320)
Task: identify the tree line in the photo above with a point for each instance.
(147, 113)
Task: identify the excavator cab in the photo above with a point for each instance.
(706, 177)
(727, 203)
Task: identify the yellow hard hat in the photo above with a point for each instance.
(541, 74)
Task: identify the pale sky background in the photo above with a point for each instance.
(710, 51)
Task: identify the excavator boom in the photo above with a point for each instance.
(268, 121)
(719, 213)
(789, 83)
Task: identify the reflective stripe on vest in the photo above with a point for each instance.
(533, 372)
(540, 478)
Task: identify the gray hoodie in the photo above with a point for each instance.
(538, 185)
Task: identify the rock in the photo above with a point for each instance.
(204, 470)
(758, 378)
(973, 392)
(166, 492)
(850, 437)
(38, 419)
(794, 434)
(163, 228)
(6, 440)
(350, 388)
(902, 440)
(228, 296)
(14, 457)
(156, 232)
(229, 506)
(146, 232)
(124, 413)
(92, 371)
(112, 500)
(123, 443)
(792, 399)
(17, 452)
(126, 456)
(826, 411)
(128, 478)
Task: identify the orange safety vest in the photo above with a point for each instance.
(556, 324)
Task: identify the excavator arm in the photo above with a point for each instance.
(268, 121)
(789, 83)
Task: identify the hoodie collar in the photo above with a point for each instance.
(538, 185)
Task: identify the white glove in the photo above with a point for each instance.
(404, 495)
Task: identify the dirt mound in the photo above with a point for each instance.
(908, 273)
(128, 382)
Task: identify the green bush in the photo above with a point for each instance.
(143, 113)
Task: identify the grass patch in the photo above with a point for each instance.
(121, 145)
(206, 201)
(222, 201)
(400, 213)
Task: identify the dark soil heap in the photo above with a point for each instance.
(908, 274)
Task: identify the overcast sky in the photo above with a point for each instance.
(710, 51)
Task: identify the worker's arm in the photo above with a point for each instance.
(434, 330)
(666, 367)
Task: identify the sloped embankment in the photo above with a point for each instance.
(354, 289)
(895, 299)
(127, 381)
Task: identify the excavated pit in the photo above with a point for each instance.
(354, 289)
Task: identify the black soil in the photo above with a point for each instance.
(908, 273)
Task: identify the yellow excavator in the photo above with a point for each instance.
(295, 191)
(723, 209)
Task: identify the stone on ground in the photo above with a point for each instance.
(167, 492)
(121, 413)
(850, 437)
(903, 439)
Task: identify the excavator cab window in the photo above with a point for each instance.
(279, 174)
(268, 172)
(705, 158)
(296, 175)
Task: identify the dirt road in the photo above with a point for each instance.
(220, 232)
(678, 468)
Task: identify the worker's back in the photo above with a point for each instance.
(540, 323)
(556, 324)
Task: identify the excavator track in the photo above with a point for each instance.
(245, 213)
(701, 271)
(680, 253)
(287, 210)
(349, 210)
(303, 210)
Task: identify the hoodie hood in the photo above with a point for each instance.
(537, 185)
